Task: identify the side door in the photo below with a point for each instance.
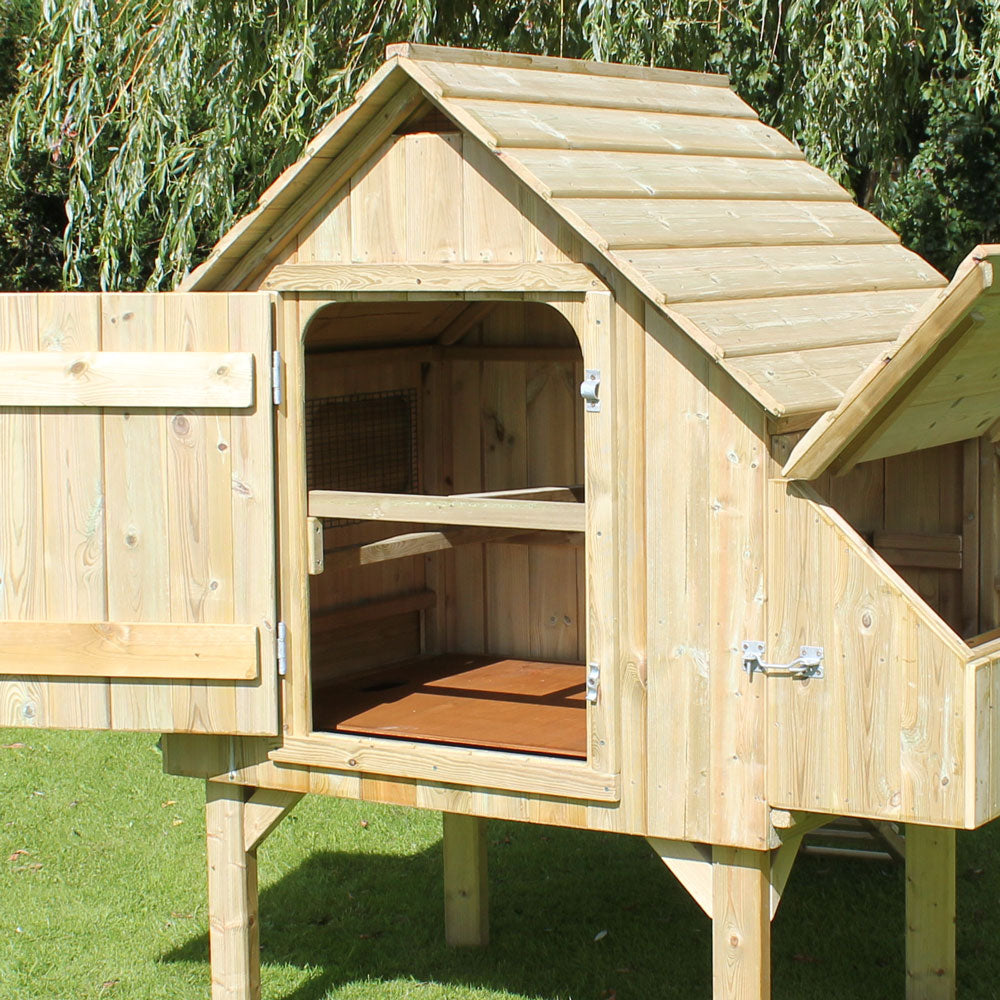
(137, 520)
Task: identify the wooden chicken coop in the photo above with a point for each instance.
(552, 443)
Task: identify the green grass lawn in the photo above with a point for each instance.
(103, 896)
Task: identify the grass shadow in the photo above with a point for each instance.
(353, 917)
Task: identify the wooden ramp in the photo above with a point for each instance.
(475, 701)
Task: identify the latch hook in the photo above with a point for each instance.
(806, 666)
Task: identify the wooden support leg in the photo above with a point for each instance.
(930, 913)
(741, 924)
(466, 891)
(232, 896)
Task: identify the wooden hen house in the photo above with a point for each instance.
(552, 443)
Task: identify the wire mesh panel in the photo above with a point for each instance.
(365, 441)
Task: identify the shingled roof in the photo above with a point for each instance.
(716, 218)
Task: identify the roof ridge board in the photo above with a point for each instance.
(518, 99)
(523, 60)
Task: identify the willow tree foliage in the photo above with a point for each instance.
(160, 121)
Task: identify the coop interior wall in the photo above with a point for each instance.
(481, 425)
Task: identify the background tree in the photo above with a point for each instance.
(158, 122)
(32, 216)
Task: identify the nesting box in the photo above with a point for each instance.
(552, 443)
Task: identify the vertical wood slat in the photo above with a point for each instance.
(199, 509)
(467, 625)
(433, 175)
(552, 405)
(737, 483)
(677, 445)
(989, 534)
(73, 509)
(970, 537)
(630, 510)
(505, 466)
(292, 542)
(493, 229)
(378, 209)
(252, 493)
(137, 541)
(328, 235)
(601, 443)
(23, 700)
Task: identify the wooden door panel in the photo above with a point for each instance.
(139, 538)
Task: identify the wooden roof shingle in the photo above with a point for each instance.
(714, 216)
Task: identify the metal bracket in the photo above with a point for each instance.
(807, 665)
(277, 385)
(589, 388)
(282, 643)
(593, 681)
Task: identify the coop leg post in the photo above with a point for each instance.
(234, 944)
(930, 913)
(741, 924)
(466, 891)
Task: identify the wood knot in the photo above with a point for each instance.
(182, 426)
(131, 540)
(222, 371)
(78, 368)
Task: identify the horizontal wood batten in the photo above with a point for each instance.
(539, 515)
(512, 772)
(126, 378)
(429, 353)
(153, 651)
(322, 277)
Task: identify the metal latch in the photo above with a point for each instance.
(589, 388)
(808, 664)
(276, 380)
(282, 649)
(593, 681)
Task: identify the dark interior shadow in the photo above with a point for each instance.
(585, 915)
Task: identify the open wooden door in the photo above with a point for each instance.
(137, 523)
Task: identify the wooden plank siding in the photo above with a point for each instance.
(676, 631)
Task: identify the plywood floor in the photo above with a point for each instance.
(477, 701)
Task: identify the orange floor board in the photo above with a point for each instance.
(476, 701)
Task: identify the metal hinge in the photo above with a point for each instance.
(807, 665)
(277, 385)
(589, 388)
(593, 681)
(282, 649)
